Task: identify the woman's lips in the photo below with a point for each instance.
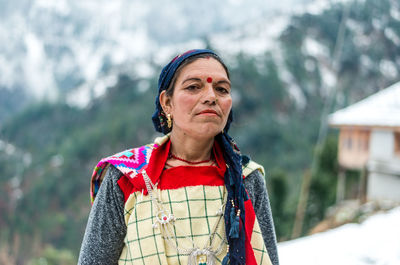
(208, 112)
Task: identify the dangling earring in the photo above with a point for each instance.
(169, 121)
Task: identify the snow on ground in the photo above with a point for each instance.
(375, 241)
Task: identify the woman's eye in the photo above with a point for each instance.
(192, 87)
(222, 90)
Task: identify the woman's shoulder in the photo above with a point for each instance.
(251, 167)
(132, 160)
(129, 162)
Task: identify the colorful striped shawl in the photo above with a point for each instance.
(130, 162)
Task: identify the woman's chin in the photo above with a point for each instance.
(199, 130)
(206, 131)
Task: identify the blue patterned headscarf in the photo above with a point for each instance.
(234, 223)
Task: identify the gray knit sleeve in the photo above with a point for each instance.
(255, 186)
(105, 231)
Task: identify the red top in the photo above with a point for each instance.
(183, 176)
(175, 177)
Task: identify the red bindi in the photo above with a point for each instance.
(209, 80)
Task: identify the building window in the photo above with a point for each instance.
(397, 143)
(348, 142)
(364, 140)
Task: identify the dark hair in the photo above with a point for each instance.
(170, 90)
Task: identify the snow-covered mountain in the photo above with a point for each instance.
(52, 47)
(73, 50)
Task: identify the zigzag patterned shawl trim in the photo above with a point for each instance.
(129, 162)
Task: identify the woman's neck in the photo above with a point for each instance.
(191, 149)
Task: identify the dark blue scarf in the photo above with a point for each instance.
(234, 225)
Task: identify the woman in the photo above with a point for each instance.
(190, 197)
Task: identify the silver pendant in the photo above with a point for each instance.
(201, 257)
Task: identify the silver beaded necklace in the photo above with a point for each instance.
(165, 221)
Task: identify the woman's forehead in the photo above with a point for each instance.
(203, 68)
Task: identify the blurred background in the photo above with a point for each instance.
(78, 81)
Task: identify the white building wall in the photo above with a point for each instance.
(381, 145)
(383, 187)
(383, 167)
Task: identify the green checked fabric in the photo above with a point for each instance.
(195, 209)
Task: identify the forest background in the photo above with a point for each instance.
(284, 83)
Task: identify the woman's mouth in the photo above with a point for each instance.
(209, 112)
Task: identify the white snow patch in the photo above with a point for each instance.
(8, 148)
(38, 71)
(328, 76)
(143, 86)
(367, 64)
(316, 7)
(366, 61)
(293, 89)
(391, 35)
(377, 23)
(395, 13)
(7, 72)
(362, 40)
(82, 95)
(165, 53)
(315, 49)
(101, 87)
(253, 38)
(388, 68)
(144, 70)
(375, 241)
(61, 7)
(354, 25)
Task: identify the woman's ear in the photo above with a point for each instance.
(165, 102)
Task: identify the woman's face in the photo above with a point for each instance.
(201, 100)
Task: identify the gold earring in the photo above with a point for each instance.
(169, 121)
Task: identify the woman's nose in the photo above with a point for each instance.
(209, 94)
